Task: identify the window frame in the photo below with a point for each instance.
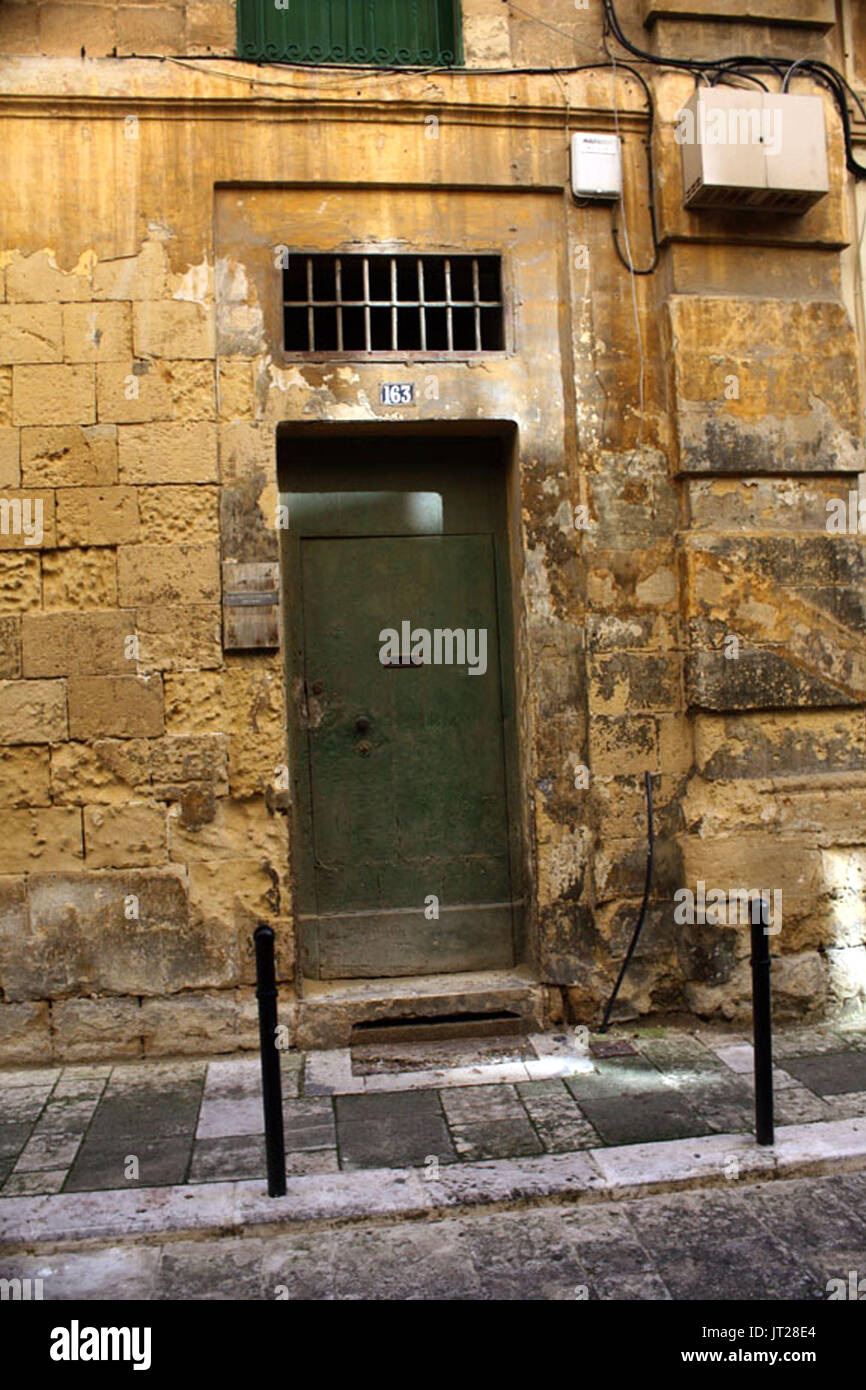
(360, 356)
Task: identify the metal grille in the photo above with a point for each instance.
(384, 33)
(382, 303)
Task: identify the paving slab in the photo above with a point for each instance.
(784, 1209)
(22, 1104)
(690, 1221)
(831, 1073)
(330, 1073)
(79, 1087)
(751, 1269)
(641, 1118)
(403, 1127)
(19, 1184)
(799, 1106)
(506, 1138)
(221, 1116)
(304, 1163)
(47, 1151)
(421, 1265)
(559, 1123)
(101, 1165)
(847, 1105)
(210, 1270)
(146, 1110)
(228, 1159)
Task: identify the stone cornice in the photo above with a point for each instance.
(189, 89)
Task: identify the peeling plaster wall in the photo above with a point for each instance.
(141, 386)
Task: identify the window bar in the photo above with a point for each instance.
(448, 317)
(366, 268)
(311, 318)
(476, 295)
(338, 287)
(394, 343)
(422, 312)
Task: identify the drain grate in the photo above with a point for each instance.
(495, 1023)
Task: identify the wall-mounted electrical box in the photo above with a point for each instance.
(596, 166)
(752, 151)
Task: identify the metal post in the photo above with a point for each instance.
(272, 1096)
(762, 1023)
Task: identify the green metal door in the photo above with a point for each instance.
(409, 857)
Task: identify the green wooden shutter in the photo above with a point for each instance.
(384, 33)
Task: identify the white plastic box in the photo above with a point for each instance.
(596, 166)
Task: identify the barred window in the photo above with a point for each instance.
(382, 33)
(392, 303)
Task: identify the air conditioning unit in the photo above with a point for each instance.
(752, 151)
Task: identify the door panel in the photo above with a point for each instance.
(415, 804)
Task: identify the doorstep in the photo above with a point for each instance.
(511, 1000)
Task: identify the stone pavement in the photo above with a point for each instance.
(151, 1124)
(764, 1241)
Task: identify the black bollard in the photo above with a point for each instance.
(272, 1095)
(761, 1021)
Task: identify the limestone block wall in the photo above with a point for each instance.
(137, 851)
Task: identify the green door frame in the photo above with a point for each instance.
(467, 467)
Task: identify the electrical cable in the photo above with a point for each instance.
(823, 72)
(633, 273)
(629, 264)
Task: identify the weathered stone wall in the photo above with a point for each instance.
(140, 392)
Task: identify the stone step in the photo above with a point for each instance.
(489, 1002)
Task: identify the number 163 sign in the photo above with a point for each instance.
(397, 393)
